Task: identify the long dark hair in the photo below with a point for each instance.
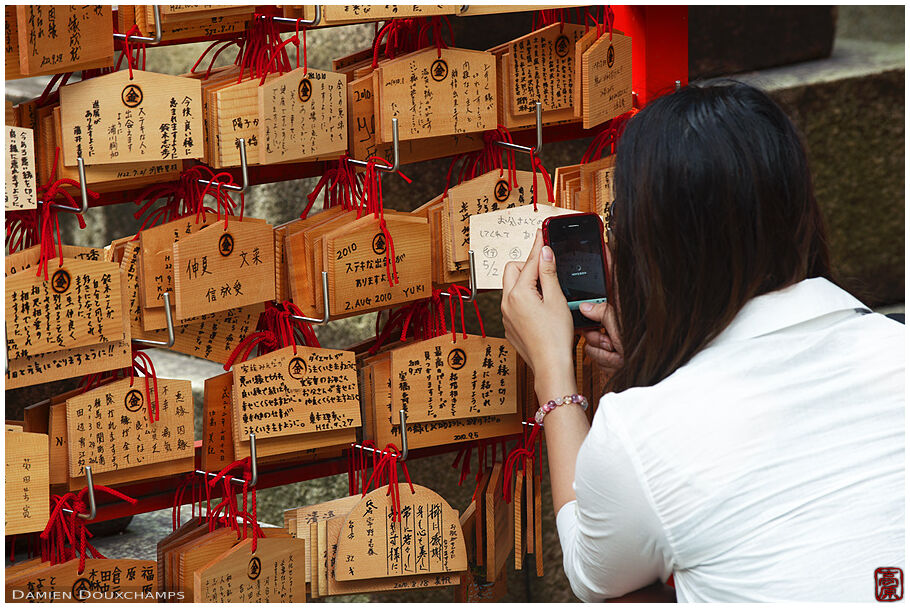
(714, 205)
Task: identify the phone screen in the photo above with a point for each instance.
(577, 243)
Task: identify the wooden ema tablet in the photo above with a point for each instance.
(171, 540)
(438, 379)
(197, 551)
(560, 176)
(59, 38)
(217, 269)
(210, 336)
(433, 95)
(198, 554)
(488, 192)
(171, 13)
(303, 517)
(213, 82)
(156, 248)
(322, 549)
(215, 336)
(222, 445)
(217, 434)
(199, 25)
(530, 509)
(495, 9)
(355, 258)
(596, 185)
(499, 522)
(21, 191)
(517, 529)
(295, 448)
(129, 280)
(290, 524)
(543, 66)
(313, 559)
(27, 258)
(102, 581)
(282, 261)
(237, 117)
(581, 45)
(109, 429)
(426, 434)
(337, 13)
(272, 574)
(27, 486)
(11, 46)
(472, 587)
(107, 178)
(334, 528)
(69, 363)
(299, 255)
(508, 114)
(80, 305)
(604, 195)
(468, 522)
(303, 114)
(606, 79)
(480, 528)
(11, 117)
(58, 450)
(504, 236)
(364, 142)
(20, 568)
(171, 551)
(283, 393)
(36, 417)
(427, 540)
(153, 117)
(305, 258)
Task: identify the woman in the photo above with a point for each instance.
(751, 443)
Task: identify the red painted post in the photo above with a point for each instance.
(660, 47)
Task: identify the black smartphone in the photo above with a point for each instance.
(581, 264)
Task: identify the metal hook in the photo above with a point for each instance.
(325, 304)
(404, 439)
(254, 468)
(404, 435)
(171, 338)
(83, 190)
(156, 11)
(536, 149)
(472, 280)
(395, 157)
(678, 85)
(244, 173)
(317, 18)
(92, 507)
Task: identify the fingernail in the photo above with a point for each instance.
(547, 254)
(586, 307)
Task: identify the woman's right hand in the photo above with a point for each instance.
(605, 349)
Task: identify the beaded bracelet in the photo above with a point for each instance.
(551, 405)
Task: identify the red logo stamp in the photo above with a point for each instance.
(889, 584)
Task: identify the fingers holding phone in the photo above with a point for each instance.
(603, 347)
(581, 265)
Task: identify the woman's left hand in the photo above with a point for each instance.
(538, 323)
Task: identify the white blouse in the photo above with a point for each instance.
(768, 468)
